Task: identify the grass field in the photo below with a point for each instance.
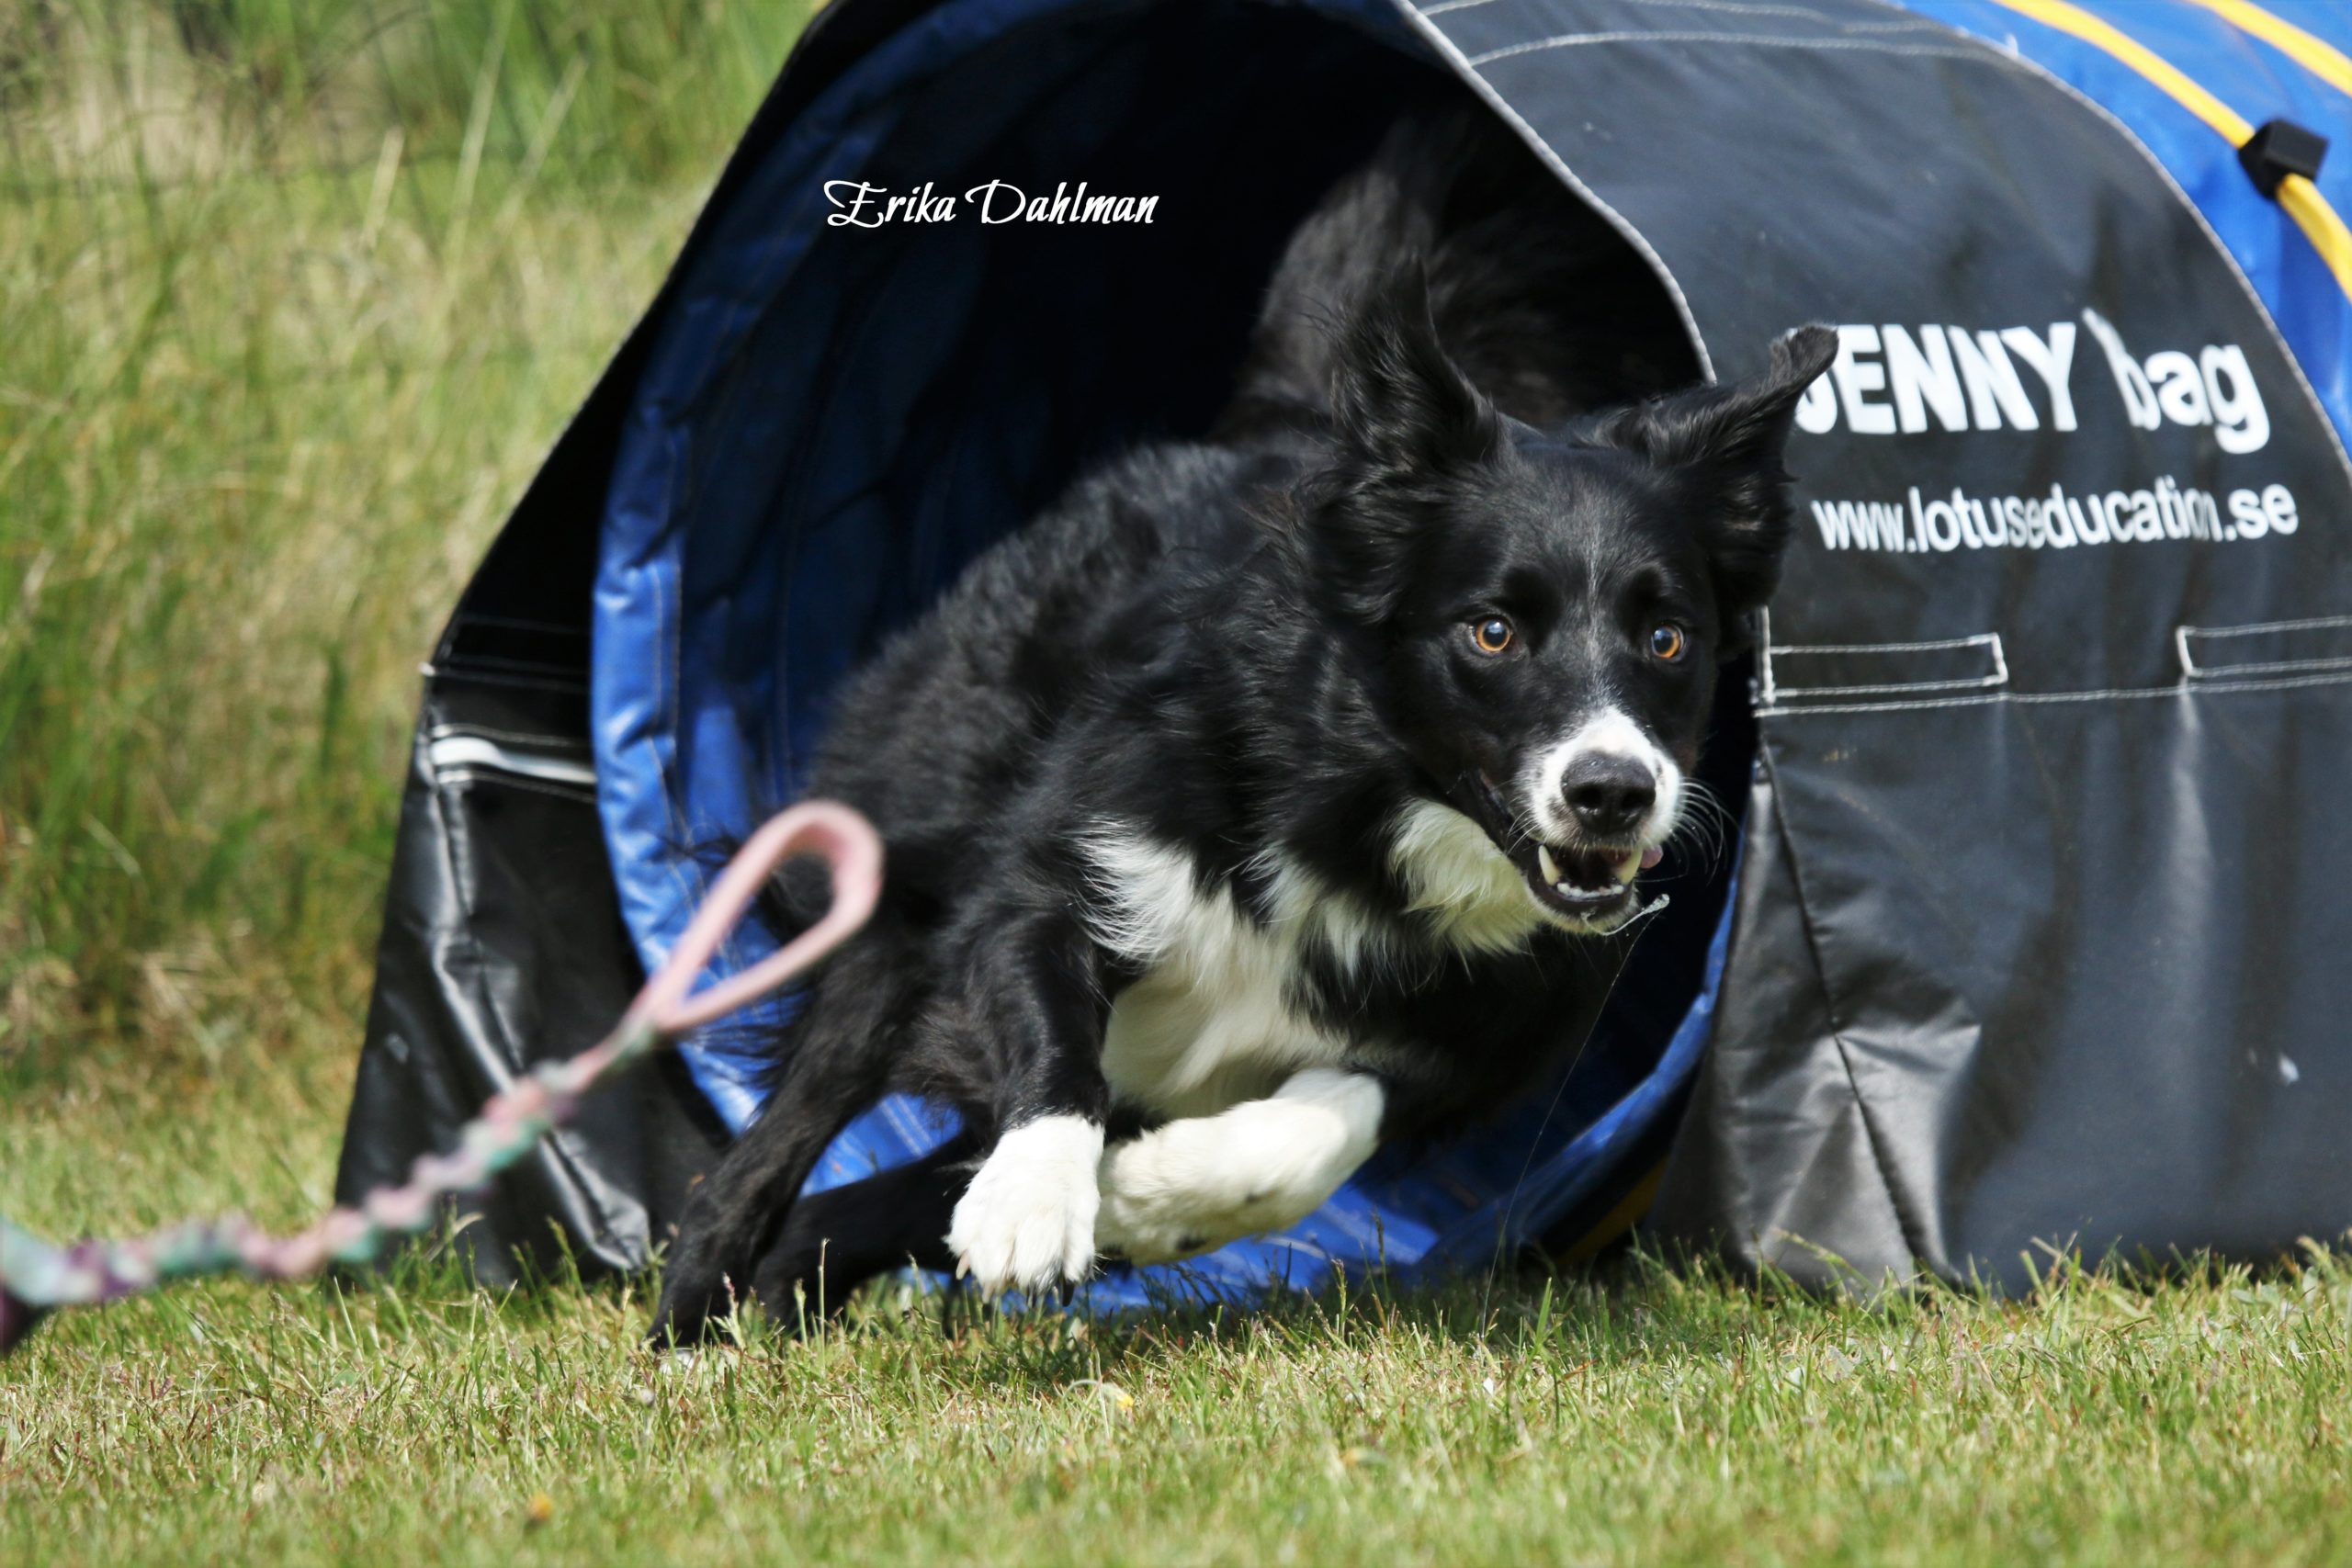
(293, 295)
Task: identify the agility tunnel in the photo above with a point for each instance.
(2036, 926)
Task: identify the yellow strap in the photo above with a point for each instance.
(2319, 57)
(2105, 35)
(1615, 1222)
(2298, 196)
(2320, 225)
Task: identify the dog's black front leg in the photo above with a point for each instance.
(1036, 994)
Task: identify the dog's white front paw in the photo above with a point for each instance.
(1193, 1186)
(1027, 1219)
(1160, 1199)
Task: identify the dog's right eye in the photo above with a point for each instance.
(1492, 635)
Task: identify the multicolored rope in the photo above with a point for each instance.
(36, 1277)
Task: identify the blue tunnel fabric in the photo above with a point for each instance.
(792, 381)
(792, 486)
(701, 713)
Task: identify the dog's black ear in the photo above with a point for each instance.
(1408, 423)
(1399, 401)
(1728, 440)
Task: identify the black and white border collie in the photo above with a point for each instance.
(1250, 809)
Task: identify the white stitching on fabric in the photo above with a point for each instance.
(470, 775)
(2192, 671)
(526, 737)
(1866, 46)
(475, 675)
(1980, 641)
(1911, 25)
(2225, 674)
(2310, 623)
(455, 753)
(1999, 676)
(1915, 25)
(1956, 684)
(1558, 165)
(2211, 689)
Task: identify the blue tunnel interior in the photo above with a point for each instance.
(835, 419)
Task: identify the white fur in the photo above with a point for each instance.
(1027, 1221)
(1610, 733)
(1261, 1166)
(1213, 1018)
(1265, 1125)
(1456, 876)
(1355, 938)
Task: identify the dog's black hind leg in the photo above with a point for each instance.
(742, 1203)
(839, 1064)
(835, 1240)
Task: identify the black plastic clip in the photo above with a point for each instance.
(2281, 148)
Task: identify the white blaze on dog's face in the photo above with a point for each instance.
(1548, 609)
(1607, 781)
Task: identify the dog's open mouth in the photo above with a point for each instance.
(1588, 883)
(1582, 881)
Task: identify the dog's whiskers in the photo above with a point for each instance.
(1706, 825)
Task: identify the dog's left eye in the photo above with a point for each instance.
(1666, 641)
(1492, 635)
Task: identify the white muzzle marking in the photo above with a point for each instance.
(1611, 733)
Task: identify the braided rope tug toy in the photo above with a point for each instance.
(36, 1277)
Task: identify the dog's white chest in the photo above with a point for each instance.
(1185, 1043)
(1213, 1021)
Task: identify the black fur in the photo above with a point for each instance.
(1540, 303)
(1253, 642)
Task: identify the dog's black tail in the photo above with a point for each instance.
(1545, 308)
(838, 1059)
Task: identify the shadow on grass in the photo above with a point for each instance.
(1639, 1306)
(1634, 1305)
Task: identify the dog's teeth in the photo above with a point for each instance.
(1627, 867)
(1547, 865)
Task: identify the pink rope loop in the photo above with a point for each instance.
(36, 1275)
(844, 838)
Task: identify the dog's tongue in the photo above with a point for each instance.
(1651, 858)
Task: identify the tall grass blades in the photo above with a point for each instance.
(293, 294)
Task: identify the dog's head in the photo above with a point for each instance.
(1541, 612)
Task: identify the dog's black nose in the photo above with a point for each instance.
(1609, 795)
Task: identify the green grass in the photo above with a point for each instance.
(289, 315)
(1652, 1417)
(292, 297)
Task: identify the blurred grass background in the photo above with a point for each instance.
(294, 294)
